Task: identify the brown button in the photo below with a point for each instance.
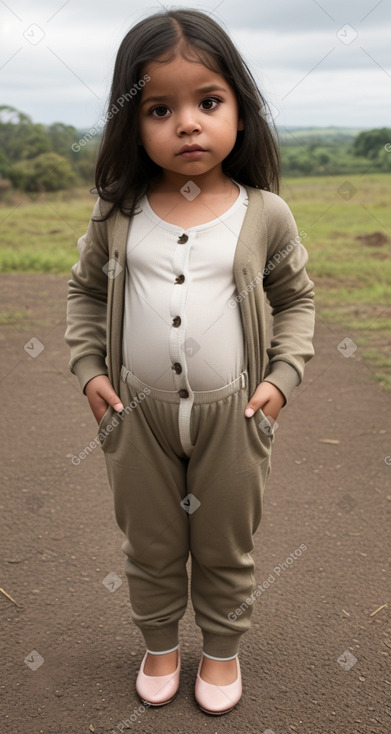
(183, 394)
(177, 321)
(183, 239)
(179, 279)
(177, 367)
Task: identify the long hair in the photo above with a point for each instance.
(124, 169)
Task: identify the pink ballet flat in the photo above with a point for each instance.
(218, 699)
(157, 690)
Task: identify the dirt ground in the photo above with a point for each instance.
(317, 658)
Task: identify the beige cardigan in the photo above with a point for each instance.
(269, 258)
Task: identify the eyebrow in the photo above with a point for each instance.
(200, 90)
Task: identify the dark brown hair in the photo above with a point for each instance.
(124, 169)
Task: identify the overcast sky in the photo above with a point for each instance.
(318, 63)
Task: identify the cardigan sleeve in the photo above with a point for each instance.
(87, 303)
(290, 293)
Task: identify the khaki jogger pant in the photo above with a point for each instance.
(169, 504)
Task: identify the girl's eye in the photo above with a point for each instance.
(159, 108)
(209, 100)
(209, 103)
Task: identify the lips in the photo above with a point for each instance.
(190, 148)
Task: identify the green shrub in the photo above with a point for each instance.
(46, 172)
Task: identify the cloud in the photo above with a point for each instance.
(302, 51)
(315, 60)
(305, 15)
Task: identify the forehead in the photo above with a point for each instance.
(181, 72)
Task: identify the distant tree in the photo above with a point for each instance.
(383, 160)
(370, 143)
(4, 165)
(46, 172)
(85, 168)
(323, 158)
(10, 115)
(20, 138)
(61, 137)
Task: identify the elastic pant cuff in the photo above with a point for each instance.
(211, 657)
(161, 639)
(163, 652)
(221, 646)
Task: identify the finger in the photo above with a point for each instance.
(118, 406)
(255, 403)
(98, 416)
(99, 408)
(112, 398)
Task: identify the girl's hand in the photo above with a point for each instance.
(100, 395)
(267, 397)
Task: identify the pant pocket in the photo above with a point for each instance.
(105, 426)
(264, 426)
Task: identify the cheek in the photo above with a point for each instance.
(151, 132)
(146, 137)
(228, 130)
(229, 121)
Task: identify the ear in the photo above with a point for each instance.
(240, 124)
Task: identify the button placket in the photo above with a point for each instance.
(178, 315)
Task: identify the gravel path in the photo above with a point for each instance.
(317, 658)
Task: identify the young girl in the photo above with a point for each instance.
(166, 326)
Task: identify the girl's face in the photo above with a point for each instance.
(186, 104)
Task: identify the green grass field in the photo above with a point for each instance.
(348, 235)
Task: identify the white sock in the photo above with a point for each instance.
(164, 651)
(213, 658)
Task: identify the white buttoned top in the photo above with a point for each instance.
(179, 331)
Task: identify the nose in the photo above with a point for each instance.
(188, 122)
